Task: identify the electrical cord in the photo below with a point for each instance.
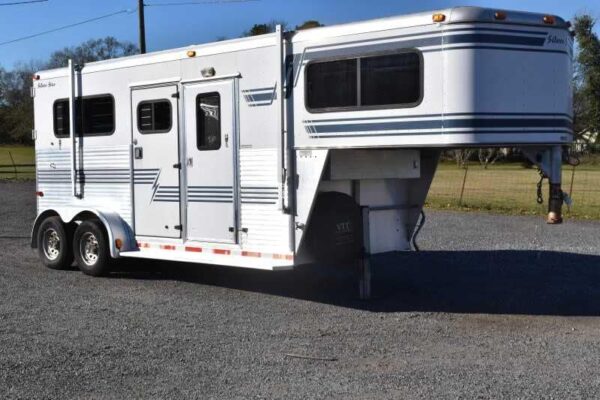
(416, 233)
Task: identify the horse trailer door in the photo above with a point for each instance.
(156, 161)
(210, 135)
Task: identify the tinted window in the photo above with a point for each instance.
(332, 84)
(98, 115)
(208, 121)
(94, 116)
(390, 80)
(154, 116)
(61, 118)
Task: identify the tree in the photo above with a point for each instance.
(489, 156)
(587, 77)
(309, 25)
(262, 29)
(92, 50)
(16, 105)
(462, 156)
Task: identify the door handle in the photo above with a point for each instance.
(138, 153)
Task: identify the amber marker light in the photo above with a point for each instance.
(438, 17)
(500, 16)
(191, 53)
(549, 19)
(35, 77)
(118, 243)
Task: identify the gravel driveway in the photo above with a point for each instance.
(493, 307)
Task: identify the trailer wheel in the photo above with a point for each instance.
(54, 243)
(90, 246)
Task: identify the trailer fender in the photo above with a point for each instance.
(115, 226)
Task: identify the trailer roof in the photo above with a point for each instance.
(453, 15)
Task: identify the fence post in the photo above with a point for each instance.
(464, 182)
(13, 163)
(571, 186)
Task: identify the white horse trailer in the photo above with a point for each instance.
(287, 148)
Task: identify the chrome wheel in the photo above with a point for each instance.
(51, 244)
(89, 248)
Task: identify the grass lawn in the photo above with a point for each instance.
(21, 155)
(511, 189)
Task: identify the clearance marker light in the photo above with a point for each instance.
(191, 53)
(549, 19)
(500, 16)
(118, 243)
(39, 194)
(439, 17)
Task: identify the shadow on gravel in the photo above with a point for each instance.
(494, 282)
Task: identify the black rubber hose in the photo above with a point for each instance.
(419, 227)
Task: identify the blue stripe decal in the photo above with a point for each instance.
(482, 114)
(441, 124)
(426, 133)
(496, 39)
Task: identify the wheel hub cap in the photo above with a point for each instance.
(51, 244)
(88, 248)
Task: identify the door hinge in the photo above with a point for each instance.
(32, 92)
(178, 165)
(178, 227)
(175, 95)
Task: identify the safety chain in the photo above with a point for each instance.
(540, 196)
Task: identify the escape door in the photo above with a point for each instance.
(156, 161)
(211, 142)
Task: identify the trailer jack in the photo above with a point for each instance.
(549, 161)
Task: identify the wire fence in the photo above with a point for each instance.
(512, 188)
(13, 167)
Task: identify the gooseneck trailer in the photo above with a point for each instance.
(292, 147)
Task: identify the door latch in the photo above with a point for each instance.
(178, 165)
(138, 153)
(178, 227)
(226, 140)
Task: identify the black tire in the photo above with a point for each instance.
(54, 243)
(335, 230)
(90, 247)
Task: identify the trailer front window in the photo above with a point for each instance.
(208, 121)
(392, 80)
(332, 84)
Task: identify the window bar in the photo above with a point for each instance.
(358, 83)
(72, 121)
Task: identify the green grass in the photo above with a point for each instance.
(512, 189)
(21, 155)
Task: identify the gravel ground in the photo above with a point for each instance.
(493, 307)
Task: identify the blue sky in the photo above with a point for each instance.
(169, 27)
